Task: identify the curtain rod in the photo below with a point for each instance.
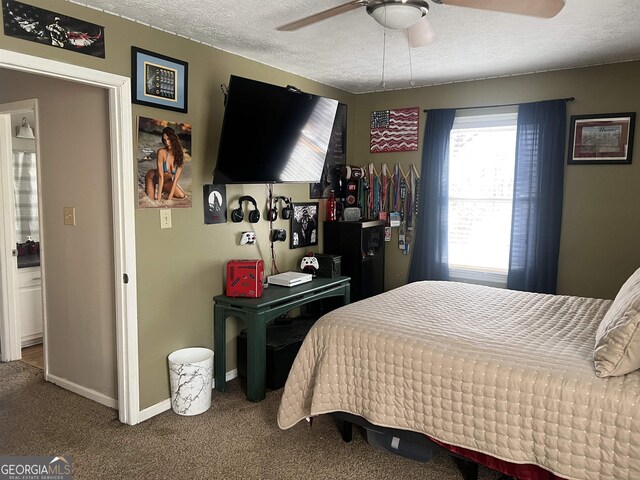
(567, 99)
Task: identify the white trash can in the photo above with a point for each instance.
(191, 377)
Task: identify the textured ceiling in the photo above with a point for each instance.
(347, 51)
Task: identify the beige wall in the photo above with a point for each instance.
(601, 216)
(181, 269)
(75, 168)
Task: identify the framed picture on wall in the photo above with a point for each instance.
(601, 139)
(158, 81)
(304, 225)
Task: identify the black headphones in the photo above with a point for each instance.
(237, 215)
(287, 210)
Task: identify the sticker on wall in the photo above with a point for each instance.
(50, 28)
(164, 164)
(395, 130)
(387, 234)
(215, 203)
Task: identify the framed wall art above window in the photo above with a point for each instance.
(601, 139)
(158, 81)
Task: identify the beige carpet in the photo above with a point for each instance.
(234, 439)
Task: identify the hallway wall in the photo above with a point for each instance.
(75, 171)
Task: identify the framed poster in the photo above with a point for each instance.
(50, 28)
(304, 225)
(215, 203)
(601, 139)
(158, 81)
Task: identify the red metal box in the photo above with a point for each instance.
(245, 278)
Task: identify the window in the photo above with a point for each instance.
(481, 171)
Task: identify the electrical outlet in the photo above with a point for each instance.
(69, 216)
(165, 218)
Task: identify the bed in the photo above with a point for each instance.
(545, 380)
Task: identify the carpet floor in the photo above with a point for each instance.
(234, 439)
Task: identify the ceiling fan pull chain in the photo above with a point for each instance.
(411, 82)
(384, 52)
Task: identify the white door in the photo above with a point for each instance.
(10, 334)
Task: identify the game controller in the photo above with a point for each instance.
(248, 238)
(309, 263)
(279, 235)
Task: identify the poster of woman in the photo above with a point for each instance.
(164, 164)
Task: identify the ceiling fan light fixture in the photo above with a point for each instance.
(397, 15)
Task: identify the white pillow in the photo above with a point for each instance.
(617, 350)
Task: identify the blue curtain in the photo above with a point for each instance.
(430, 255)
(537, 197)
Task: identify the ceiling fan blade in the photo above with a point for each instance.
(421, 33)
(534, 8)
(331, 12)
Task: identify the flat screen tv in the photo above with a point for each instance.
(273, 134)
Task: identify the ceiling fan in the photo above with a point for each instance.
(411, 14)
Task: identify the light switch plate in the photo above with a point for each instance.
(165, 218)
(69, 216)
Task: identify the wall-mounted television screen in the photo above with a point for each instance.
(273, 134)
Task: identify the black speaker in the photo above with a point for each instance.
(237, 215)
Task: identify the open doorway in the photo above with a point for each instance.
(24, 172)
(121, 185)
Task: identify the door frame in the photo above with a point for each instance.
(123, 193)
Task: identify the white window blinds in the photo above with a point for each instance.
(481, 170)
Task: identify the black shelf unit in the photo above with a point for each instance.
(361, 246)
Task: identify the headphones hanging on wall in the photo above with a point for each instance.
(287, 210)
(237, 215)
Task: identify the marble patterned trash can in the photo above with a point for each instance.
(191, 377)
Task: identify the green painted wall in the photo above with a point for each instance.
(181, 269)
(601, 211)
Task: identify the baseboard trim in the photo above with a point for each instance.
(154, 410)
(165, 405)
(229, 376)
(83, 391)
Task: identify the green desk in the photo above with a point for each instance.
(257, 312)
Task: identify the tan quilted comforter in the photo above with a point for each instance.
(501, 372)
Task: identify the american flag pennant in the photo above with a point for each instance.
(395, 130)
